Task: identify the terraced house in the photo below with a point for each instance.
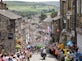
(79, 13)
(67, 12)
(10, 28)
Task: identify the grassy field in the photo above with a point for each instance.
(27, 8)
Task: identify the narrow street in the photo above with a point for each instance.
(79, 42)
(37, 57)
(34, 26)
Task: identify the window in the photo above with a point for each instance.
(12, 23)
(10, 35)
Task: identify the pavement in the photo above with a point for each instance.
(37, 57)
(79, 42)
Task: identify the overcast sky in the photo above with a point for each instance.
(31, 0)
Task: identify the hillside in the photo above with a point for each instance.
(53, 3)
(20, 3)
(32, 8)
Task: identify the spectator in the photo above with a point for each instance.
(61, 46)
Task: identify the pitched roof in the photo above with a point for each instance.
(56, 18)
(49, 19)
(9, 14)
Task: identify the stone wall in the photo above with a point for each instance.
(8, 44)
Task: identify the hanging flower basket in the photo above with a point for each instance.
(19, 41)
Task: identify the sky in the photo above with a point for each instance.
(31, 0)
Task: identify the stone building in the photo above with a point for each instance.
(79, 14)
(55, 26)
(67, 8)
(10, 28)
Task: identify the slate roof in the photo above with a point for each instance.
(49, 19)
(9, 14)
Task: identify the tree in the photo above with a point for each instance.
(42, 16)
(53, 14)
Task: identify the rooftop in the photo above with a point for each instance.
(9, 14)
(49, 19)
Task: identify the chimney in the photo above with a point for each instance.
(1, 1)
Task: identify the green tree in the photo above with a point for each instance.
(42, 16)
(53, 14)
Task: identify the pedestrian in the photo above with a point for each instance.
(61, 45)
(18, 58)
(28, 54)
(10, 59)
(44, 53)
(56, 52)
(22, 57)
(73, 55)
(0, 57)
(14, 58)
(61, 55)
(68, 58)
(4, 57)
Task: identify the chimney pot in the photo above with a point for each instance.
(1, 1)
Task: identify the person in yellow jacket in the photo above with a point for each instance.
(65, 51)
(61, 46)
